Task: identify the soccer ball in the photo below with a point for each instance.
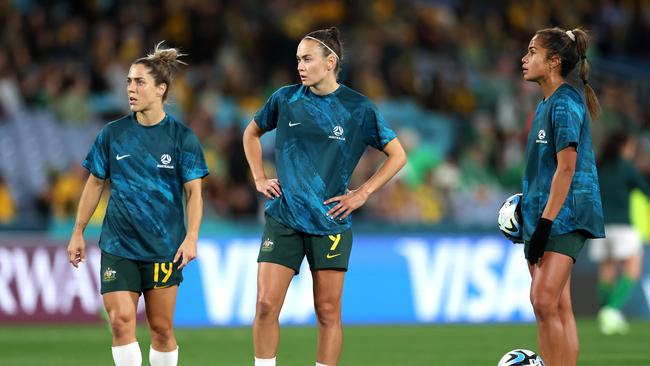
(521, 357)
(510, 220)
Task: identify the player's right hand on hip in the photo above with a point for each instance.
(269, 187)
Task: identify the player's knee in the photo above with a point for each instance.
(161, 332)
(328, 313)
(265, 308)
(544, 307)
(122, 323)
(565, 308)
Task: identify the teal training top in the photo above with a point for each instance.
(561, 121)
(319, 141)
(147, 167)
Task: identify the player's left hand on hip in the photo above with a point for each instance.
(186, 252)
(346, 204)
(538, 240)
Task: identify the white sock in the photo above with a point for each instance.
(320, 364)
(264, 361)
(127, 355)
(157, 358)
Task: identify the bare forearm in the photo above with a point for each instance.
(194, 209)
(559, 190)
(395, 161)
(90, 196)
(388, 169)
(253, 151)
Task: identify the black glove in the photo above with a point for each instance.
(538, 240)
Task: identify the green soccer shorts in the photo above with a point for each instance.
(286, 246)
(123, 274)
(568, 244)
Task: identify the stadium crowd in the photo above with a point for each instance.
(446, 75)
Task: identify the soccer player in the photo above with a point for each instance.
(322, 129)
(561, 205)
(623, 245)
(150, 159)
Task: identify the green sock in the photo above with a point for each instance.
(604, 292)
(621, 292)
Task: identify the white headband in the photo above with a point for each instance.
(571, 35)
(326, 46)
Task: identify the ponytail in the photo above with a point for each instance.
(592, 100)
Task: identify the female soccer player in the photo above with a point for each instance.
(150, 159)
(623, 246)
(323, 128)
(561, 199)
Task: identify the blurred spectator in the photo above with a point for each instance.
(7, 207)
(72, 106)
(10, 99)
(65, 190)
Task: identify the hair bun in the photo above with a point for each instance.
(334, 32)
(168, 56)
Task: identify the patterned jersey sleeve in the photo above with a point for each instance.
(376, 130)
(566, 119)
(193, 165)
(97, 159)
(267, 117)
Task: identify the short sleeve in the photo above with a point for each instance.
(267, 117)
(376, 130)
(193, 164)
(566, 118)
(97, 159)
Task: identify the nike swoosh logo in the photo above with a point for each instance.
(294, 124)
(118, 157)
(330, 256)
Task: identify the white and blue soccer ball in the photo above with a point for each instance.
(510, 221)
(521, 357)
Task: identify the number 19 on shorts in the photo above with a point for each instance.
(166, 269)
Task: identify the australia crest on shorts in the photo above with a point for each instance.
(109, 275)
(267, 245)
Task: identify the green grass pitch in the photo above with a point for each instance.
(439, 345)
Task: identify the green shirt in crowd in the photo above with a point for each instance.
(617, 180)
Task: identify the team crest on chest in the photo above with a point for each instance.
(337, 133)
(541, 137)
(165, 159)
